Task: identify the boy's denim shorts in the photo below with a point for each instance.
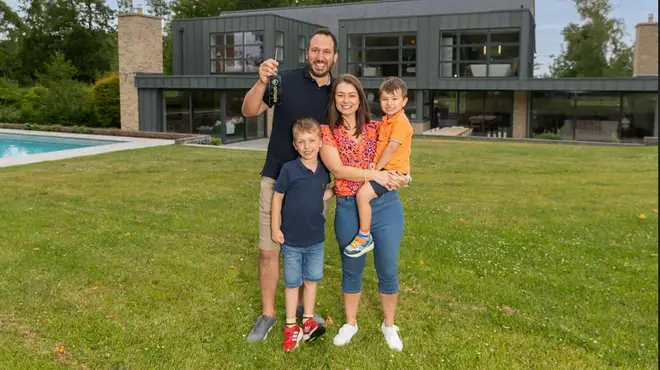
(302, 264)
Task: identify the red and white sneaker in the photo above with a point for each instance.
(312, 330)
(292, 337)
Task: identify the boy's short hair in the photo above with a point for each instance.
(392, 84)
(306, 124)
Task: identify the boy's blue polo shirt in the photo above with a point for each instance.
(300, 96)
(303, 224)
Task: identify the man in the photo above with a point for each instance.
(304, 92)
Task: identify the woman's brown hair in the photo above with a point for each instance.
(362, 115)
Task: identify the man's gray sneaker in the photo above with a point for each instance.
(299, 315)
(261, 328)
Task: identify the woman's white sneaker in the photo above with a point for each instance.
(345, 334)
(391, 334)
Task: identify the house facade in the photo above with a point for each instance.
(467, 63)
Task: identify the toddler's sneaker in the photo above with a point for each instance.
(391, 334)
(312, 330)
(345, 334)
(317, 317)
(292, 337)
(359, 246)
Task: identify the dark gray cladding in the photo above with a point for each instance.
(329, 15)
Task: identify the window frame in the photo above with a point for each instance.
(279, 47)
(362, 50)
(213, 54)
(302, 50)
(458, 64)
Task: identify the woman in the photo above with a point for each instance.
(349, 141)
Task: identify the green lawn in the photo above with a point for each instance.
(516, 256)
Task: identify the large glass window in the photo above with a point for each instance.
(214, 112)
(382, 55)
(237, 52)
(640, 110)
(479, 53)
(597, 116)
(552, 112)
(594, 116)
(487, 113)
(237, 127)
(207, 112)
(177, 111)
(445, 109)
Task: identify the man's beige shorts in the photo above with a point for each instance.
(265, 203)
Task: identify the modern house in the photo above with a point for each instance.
(467, 63)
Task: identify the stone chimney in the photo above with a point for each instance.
(646, 49)
(140, 50)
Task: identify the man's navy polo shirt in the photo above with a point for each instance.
(301, 96)
(303, 224)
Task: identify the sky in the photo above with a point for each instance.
(551, 17)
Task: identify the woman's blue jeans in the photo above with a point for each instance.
(387, 230)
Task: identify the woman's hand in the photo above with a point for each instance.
(277, 236)
(395, 180)
(382, 178)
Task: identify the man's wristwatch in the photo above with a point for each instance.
(409, 180)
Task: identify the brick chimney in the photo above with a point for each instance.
(140, 50)
(646, 49)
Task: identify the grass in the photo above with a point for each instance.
(516, 256)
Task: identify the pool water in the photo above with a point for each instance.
(16, 145)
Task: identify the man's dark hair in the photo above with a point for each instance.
(325, 32)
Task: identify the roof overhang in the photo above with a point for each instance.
(213, 82)
(642, 84)
(246, 81)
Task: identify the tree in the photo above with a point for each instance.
(125, 6)
(595, 47)
(159, 8)
(81, 29)
(10, 28)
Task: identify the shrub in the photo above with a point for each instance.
(10, 114)
(548, 135)
(68, 103)
(54, 128)
(81, 130)
(31, 104)
(10, 92)
(106, 101)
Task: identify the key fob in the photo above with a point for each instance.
(274, 90)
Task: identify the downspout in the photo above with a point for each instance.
(181, 49)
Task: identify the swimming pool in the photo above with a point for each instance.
(18, 145)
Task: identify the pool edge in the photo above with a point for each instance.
(119, 143)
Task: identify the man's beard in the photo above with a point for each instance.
(310, 66)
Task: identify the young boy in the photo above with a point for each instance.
(298, 225)
(392, 154)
